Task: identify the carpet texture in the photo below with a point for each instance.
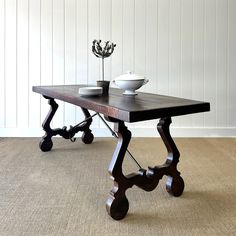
(63, 192)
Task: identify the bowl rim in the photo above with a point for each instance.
(128, 79)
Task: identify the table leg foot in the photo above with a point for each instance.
(117, 208)
(175, 186)
(46, 144)
(87, 137)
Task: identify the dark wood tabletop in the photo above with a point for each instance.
(144, 106)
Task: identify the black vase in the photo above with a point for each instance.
(105, 86)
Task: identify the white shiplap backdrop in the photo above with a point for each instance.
(186, 48)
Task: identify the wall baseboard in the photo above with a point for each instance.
(136, 132)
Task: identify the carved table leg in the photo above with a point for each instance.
(117, 204)
(46, 142)
(174, 184)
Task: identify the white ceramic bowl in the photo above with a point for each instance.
(130, 82)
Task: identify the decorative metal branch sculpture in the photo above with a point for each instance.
(102, 50)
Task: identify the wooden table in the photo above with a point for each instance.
(119, 109)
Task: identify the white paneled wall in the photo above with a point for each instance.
(186, 48)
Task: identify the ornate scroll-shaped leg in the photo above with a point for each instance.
(46, 142)
(175, 184)
(117, 204)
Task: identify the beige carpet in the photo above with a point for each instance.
(63, 192)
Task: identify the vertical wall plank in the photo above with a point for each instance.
(34, 62)
(150, 53)
(175, 51)
(58, 48)
(140, 38)
(93, 33)
(105, 31)
(105, 34)
(70, 55)
(94, 64)
(198, 57)
(145, 58)
(70, 42)
(117, 37)
(210, 61)
(46, 42)
(187, 55)
(163, 46)
(82, 41)
(22, 63)
(175, 48)
(10, 64)
(128, 35)
(2, 63)
(140, 45)
(82, 48)
(221, 57)
(151, 45)
(46, 50)
(129, 38)
(231, 65)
